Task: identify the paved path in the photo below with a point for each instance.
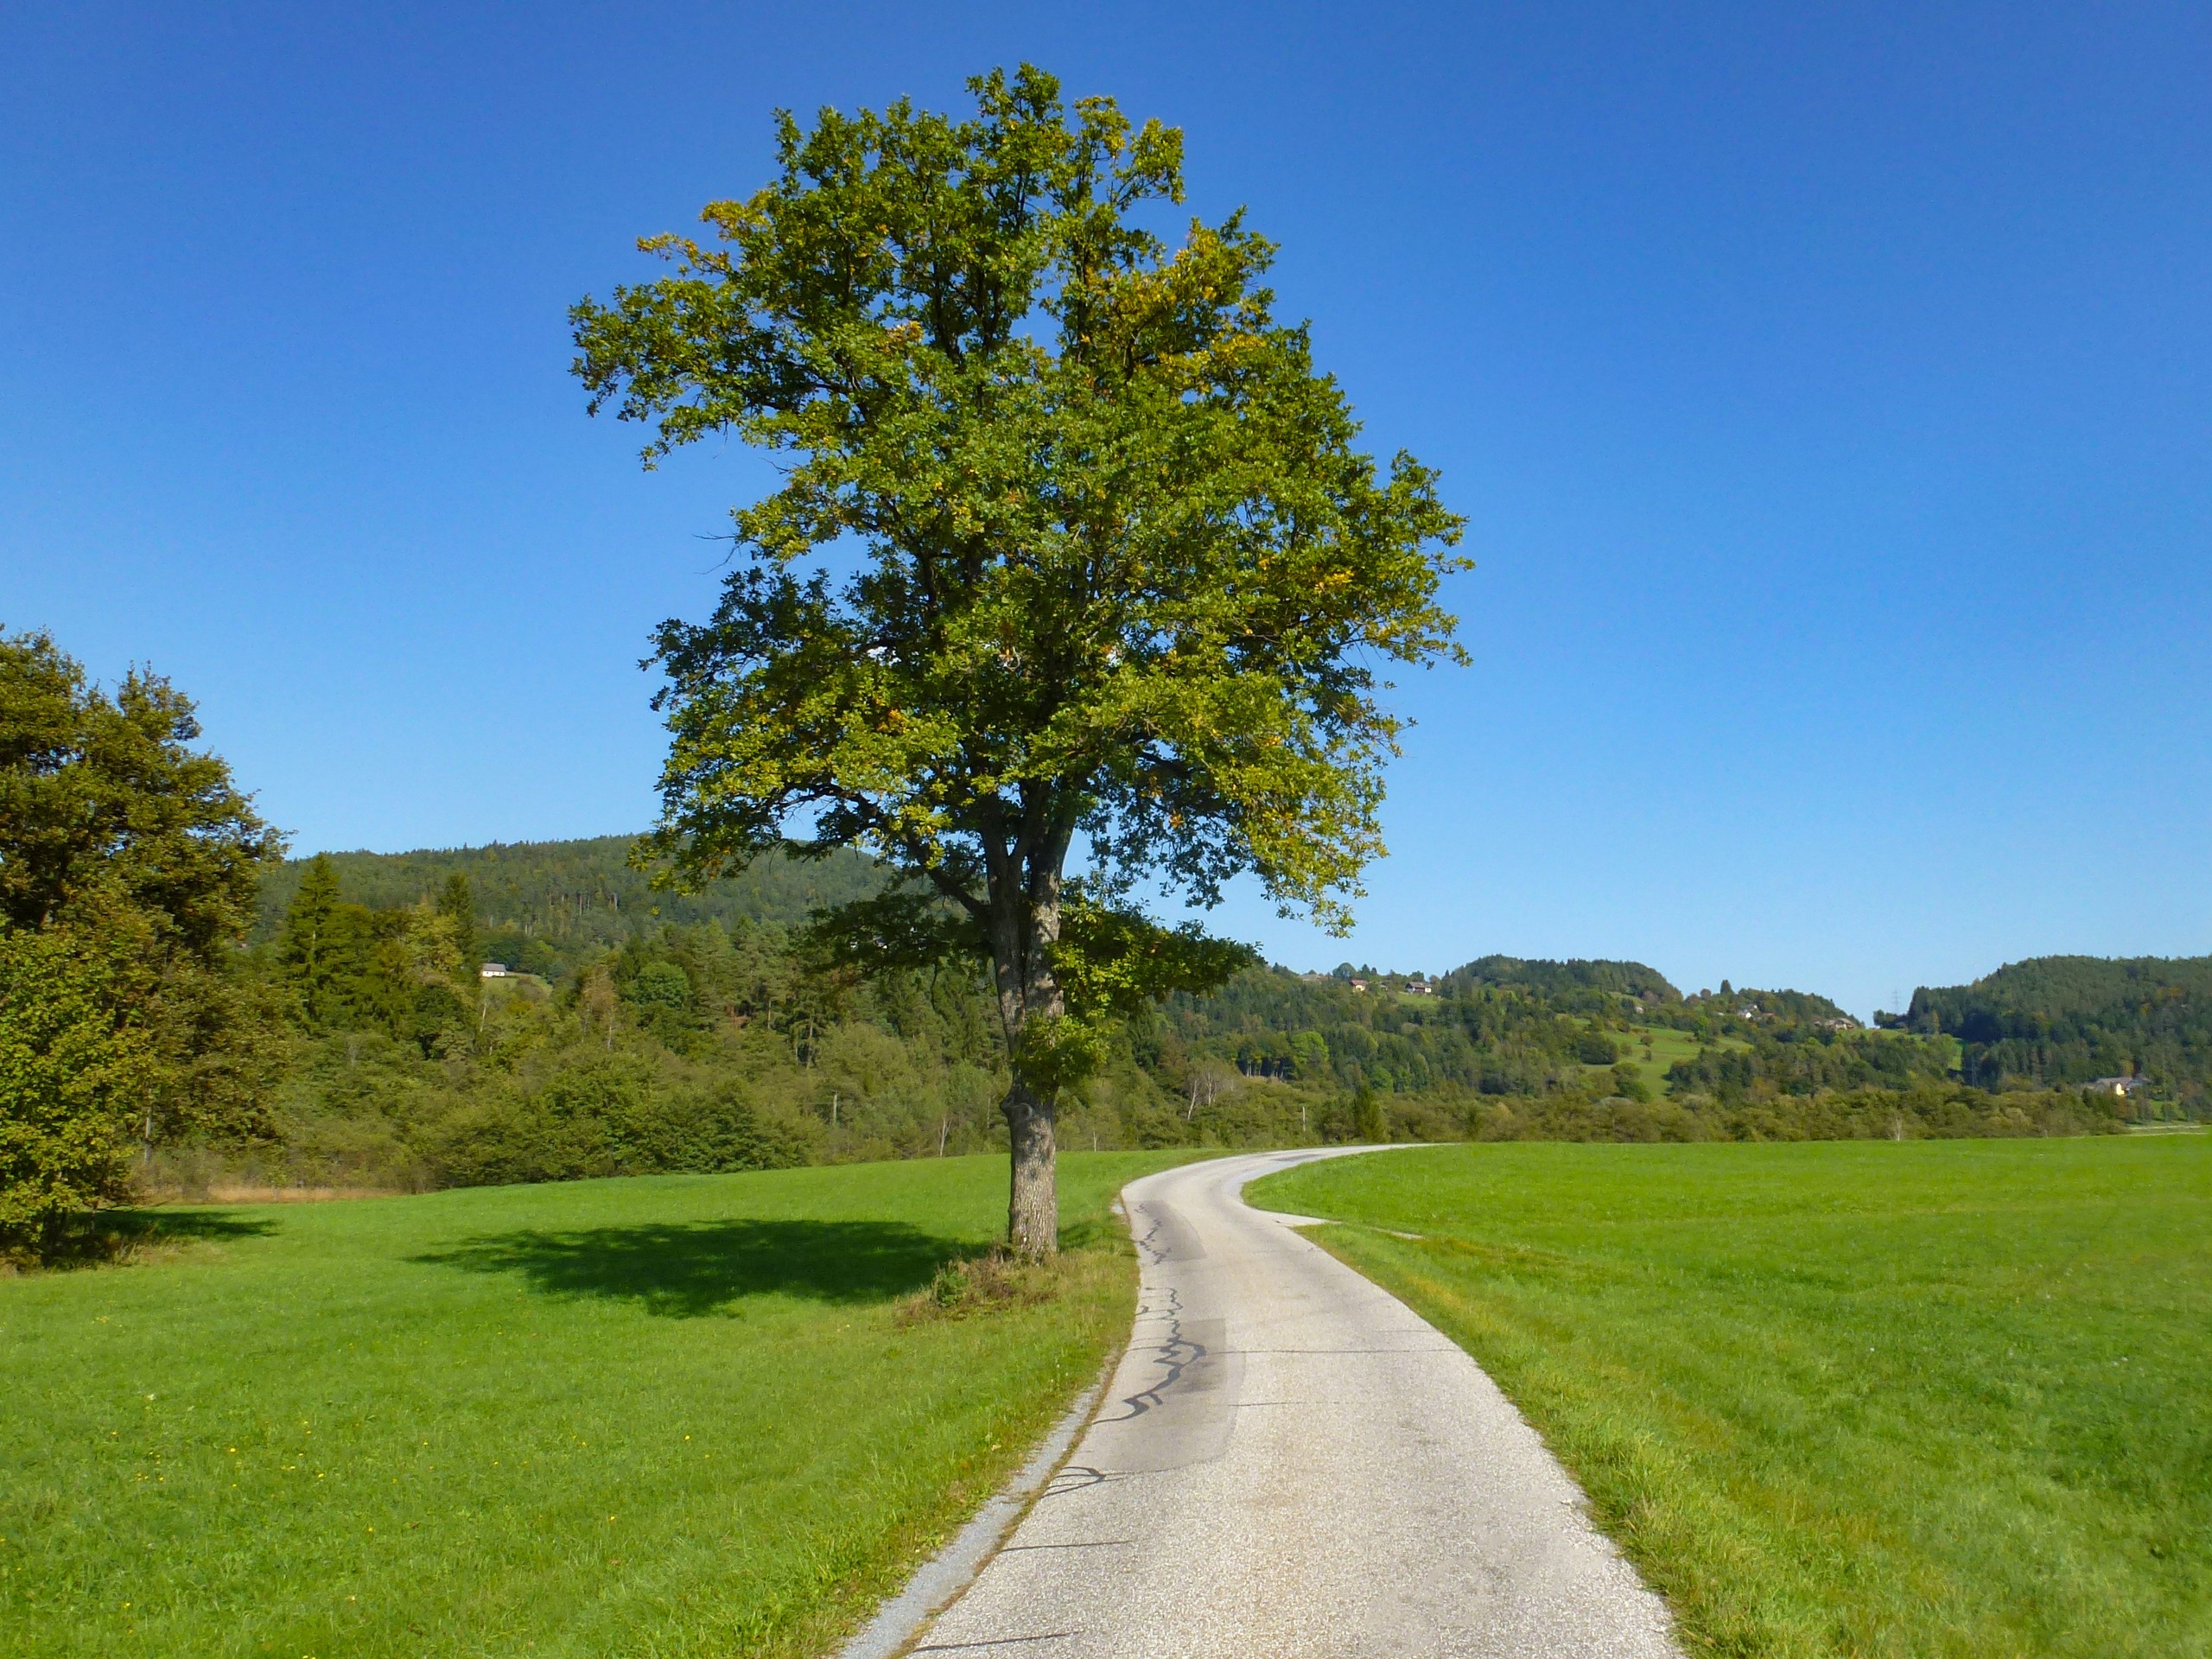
(1291, 1463)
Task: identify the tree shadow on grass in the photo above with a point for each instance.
(687, 1271)
(106, 1238)
(1092, 1232)
(211, 1224)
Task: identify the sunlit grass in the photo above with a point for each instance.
(1652, 1049)
(678, 1415)
(1931, 1398)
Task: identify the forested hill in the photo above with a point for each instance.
(1564, 978)
(2052, 1021)
(544, 906)
(661, 1031)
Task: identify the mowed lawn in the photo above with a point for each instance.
(676, 1416)
(1939, 1398)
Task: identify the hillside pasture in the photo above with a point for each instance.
(1924, 1398)
(1667, 1046)
(666, 1415)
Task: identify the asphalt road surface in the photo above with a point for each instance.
(1290, 1462)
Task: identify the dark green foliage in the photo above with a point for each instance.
(713, 1044)
(1928, 1112)
(1594, 1048)
(525, 953)
(546, 905)
(612, 1114)
(1797, 1059)
(1554, 978)
(409, 972)
(784, 1029)
(319, 948)
(105, 805)
(2060, 1021)
(1480, 1034)
(1514, 1050)
(72, 1066)
(458, 906)
(1789, 1007)
(128, 863)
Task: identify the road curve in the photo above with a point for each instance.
(1290, 1462)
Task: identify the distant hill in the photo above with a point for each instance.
(548, 902)
(2060, 1020)
(1550, 978)
(1794, 1007)
(1499, 1024)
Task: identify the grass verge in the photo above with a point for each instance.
(1935, 1398)
(668, 1416)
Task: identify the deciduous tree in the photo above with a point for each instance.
(1076, 552)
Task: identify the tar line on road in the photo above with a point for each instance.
(1291, 1463)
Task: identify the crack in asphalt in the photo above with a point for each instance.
(1177, 1352)
(1095, 1543)
(996, 1642)
(1231, 1520)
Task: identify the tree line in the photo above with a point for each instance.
(2059, 1022)
(181, 1009)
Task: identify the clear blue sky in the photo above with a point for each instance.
(1826, 390)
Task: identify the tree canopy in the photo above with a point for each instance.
(1074, 543)
(127, 865)
(102, 800)
(2056, 1021)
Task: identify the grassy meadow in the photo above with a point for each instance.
(1930, 1398)
(660, 1416)
(1654, 1048)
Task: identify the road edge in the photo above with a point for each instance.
(940, 1581)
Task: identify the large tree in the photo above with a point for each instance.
(128, 869)
(1075, 553)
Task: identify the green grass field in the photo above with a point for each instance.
(1934, 1398)
(1667, 1047)
(678, 1415)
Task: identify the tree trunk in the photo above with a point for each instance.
(1032, 1219)
(1022, 920)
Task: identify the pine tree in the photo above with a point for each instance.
(456, 902)
(309, 947)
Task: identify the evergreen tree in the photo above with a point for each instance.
(310, 948)
(456, 902)
(127, 865)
